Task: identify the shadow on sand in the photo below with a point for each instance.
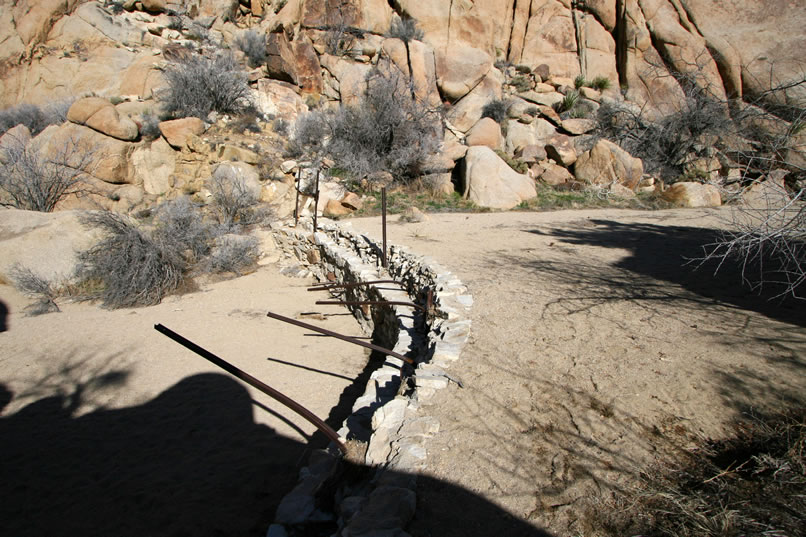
(670, 254)
(190, 462)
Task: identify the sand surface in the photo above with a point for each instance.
(114, 429)
(594, 352)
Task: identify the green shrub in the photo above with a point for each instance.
(580, 81)
(568, 103)
(601, 83)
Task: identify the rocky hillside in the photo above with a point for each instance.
(553, 63)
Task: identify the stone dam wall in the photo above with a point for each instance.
(387, 429)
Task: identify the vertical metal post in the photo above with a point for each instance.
(383, 225)
(297, 184)
(316, 201)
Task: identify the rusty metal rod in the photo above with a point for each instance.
(342, 337)
(316, 201)
(296, 187)
(325, 286)
(369, 303)
(252, 381)
(383, 225)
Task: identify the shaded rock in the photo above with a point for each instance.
(306, 66)
(177, 131)
(490, 182)
(560, 148)
(486, 132)
(690, 194)
(607, 164)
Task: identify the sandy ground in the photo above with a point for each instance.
(594, 352)
(111, 428)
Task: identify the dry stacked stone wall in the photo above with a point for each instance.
(387, 425)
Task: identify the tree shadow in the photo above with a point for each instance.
(671, 254)
(189, 462)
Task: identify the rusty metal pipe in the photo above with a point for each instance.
(383, 225)
(252, 381)
(316, 202)
(296, 203)
(342, 337)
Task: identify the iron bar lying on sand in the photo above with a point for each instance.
(252, 381)
(342, 337)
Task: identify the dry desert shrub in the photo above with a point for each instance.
(390, 129)
(197, 85)
(36, 178)
(35, 286)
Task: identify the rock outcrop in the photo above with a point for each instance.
(490, 182)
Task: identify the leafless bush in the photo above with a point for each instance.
(36, 179)
(768, 240)
(311, 133)
(253, 44)
(36, 118)
(132, 267)
(234, 202)
(665, 144)
(405, 29)
(33, 285)
(388, 130)
(233, 253)
(181, 224)
(198, 85)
